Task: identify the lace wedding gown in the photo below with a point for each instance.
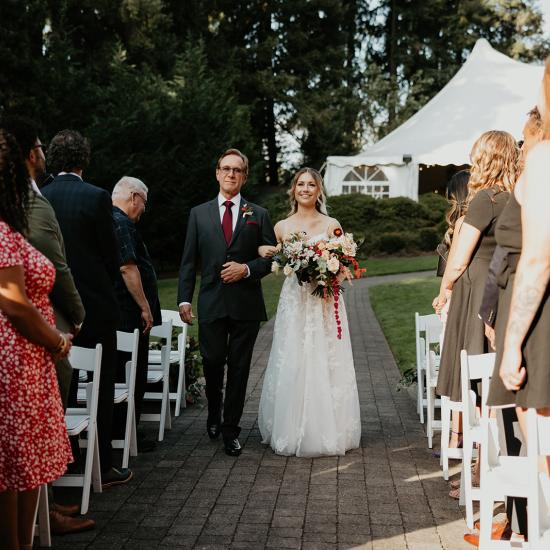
(309, 404)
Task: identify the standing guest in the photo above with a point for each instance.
(457, 193)
(44, 234)
(34, 447)
(223, 237)
(85, 216)
(523, 318)
(493, 174)
(136, 286)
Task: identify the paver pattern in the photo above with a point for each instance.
(388, 494)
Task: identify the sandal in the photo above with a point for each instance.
(455, 493)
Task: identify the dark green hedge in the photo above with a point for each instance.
(388, 226)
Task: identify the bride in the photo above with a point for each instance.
(309, 404)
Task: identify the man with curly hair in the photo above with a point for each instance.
(85, 216)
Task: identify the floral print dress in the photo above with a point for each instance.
(34, 446)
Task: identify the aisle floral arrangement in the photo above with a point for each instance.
(324, 264)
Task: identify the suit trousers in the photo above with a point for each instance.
(89, 337)
(227, 341)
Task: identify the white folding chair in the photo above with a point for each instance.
(160, 373)
(501, 476)
(83, 419)
(422, 324)
(176, 357)
(538, 445)
(447, 408)
(472, 367)
(42, 511)
(432, 336)
(125, 392)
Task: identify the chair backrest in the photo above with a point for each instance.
(475, 367)
(129, 342)
(163, 331)
(538, 444)
(174, 316)
(489, 448)
(89, 360)
(433, 329)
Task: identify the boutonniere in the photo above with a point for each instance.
(247, 211)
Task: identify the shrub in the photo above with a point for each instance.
(390, 243)
(428, 239)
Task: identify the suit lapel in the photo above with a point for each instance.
(240, 221)
(214, 211)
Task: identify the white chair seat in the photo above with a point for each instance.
(154, 356)
(154, 376)
(76, 423)
(511, 476)
(121, 394)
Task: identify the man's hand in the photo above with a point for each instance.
(147, 319)
(511, 371)
(233, 272)
(186, 313)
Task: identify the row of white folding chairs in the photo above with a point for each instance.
(427, 333)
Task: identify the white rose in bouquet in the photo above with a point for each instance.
(333, 265)
(275, 267)
(288, 270)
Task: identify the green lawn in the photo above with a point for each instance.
(388, 266)
(394, 305)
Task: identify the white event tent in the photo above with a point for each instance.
(490, 92)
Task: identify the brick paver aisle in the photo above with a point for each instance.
(388, 494)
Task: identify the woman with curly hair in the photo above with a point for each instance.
(34, 447)
(493, 175)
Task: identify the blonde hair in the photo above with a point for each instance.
(495, 163)
(457, 192)
(321, 204)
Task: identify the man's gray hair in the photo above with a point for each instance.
(128, 185)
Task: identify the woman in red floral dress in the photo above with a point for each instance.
(34, 446)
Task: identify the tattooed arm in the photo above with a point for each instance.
(533, 271)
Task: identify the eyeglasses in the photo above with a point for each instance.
(141, 197)
(226, 170)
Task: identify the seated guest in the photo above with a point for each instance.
(44, 234)
(136, 286)
(84, 213)
(34, 446)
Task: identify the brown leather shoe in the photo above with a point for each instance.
(63, 525)
(66, 509)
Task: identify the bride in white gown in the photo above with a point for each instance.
(309, 404)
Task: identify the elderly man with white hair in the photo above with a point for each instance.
(136, 287)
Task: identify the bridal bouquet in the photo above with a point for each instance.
(325, 264)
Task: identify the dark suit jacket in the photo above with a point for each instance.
(85, 216)
(45, 235)
(206, 250)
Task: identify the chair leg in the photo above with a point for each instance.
(445, 435)
(418, 391)
(181, 380)
(44, 517)
(128, 433)
(485, 520)
(88, 465)
(430, 413)
(133, 438)
(467, 482)
(163, 410)
(421, 393)
(96, 468)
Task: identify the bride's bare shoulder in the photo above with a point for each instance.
(333, 224)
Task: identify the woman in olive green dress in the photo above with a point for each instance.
(494, 159)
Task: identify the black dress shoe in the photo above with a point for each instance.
(232, 447)
(213, 430)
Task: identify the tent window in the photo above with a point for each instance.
(368, 180)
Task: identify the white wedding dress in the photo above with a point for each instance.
(309, 404)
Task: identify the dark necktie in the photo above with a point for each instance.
(227, 222)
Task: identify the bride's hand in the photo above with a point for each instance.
(267, 251)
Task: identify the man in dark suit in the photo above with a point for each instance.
(45, 235)
(222, 240)
(85, 216)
